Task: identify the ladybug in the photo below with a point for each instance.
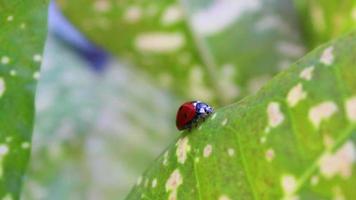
(191, 113)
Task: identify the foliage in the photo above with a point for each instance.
(22, 36)
(191, 50)
(325, 20)
(295, 138)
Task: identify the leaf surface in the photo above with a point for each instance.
(295, 138)
(22, 36)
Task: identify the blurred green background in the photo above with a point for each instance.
(106, 108)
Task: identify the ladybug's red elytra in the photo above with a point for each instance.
(191, 113)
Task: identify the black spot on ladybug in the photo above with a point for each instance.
(185, 115)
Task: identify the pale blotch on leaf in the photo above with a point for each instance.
(295, 95)
(37, 57)
(328, 141)
(275, 116)
(339, 163)
(133, 14)
(224, 197)
(172, 15)
(36, 75)
(159, 42)
(213, 116)
(289, 184)
(322, 112)
(337, 193)
(2, 86)
(10, 18)
(327, 57)
(350, 107)
(4, 149)
(7, 197)
(174, 181)
(102, 5)
(224, 122)
(221, 14)
(182, 150)
(263, 139)
(154, 183)
(353, 13)
(231, 152)
(269, 154)
(13, 72)
(5, 60)
(25, 145)
(307, 73)
(314, 180)
(173, 195)
(139, 180)
(165, 158)
(8, 139)
(207, 150)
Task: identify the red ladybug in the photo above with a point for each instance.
(191, 113)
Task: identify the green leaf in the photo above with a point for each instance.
(295, 138)
(22, 35)
(188, 48)
(325, 20)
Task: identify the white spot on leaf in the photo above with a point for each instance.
(314, 180)
(159, 42)
(154, 183)
(322, 112)
(36, 75)
(133, 14)
(174, 181)
(10, 18)
(4, 149)
(139, 180)
(269, 154)
(224, 122)
(165, 159)
(172, 15)
(5, 60)
(350, 107)
(2, 86)
(182, 149)
(295, 95)
(207, 150)
(231, 152)
(224, 197)
(102, 5)
(307, 73)
(221, 14)
(25, 145)
(339, 163)
(327, 57)
(13, 72)
(275, 116)
(213, 116)
(289, 184)
(37, 58)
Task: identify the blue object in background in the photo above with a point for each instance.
(66, 32)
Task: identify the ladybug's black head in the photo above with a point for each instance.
(203, 108)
